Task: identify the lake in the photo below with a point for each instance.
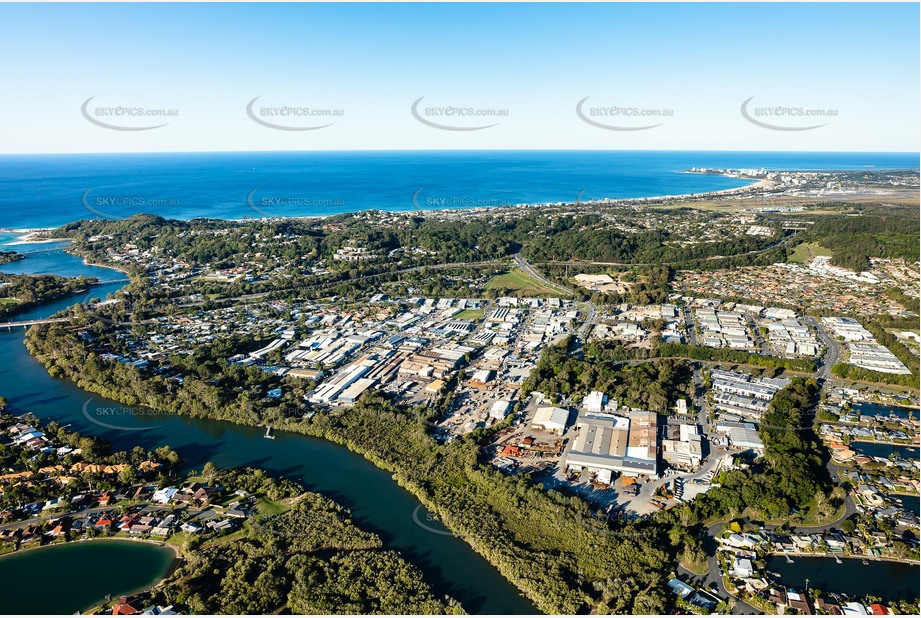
(65, 579)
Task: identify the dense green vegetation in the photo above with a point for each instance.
(645, 285)
(911, 303)
(581, 238)
(402, 248)
(29, 290)
(791, 477)
(652, 379)
(310, 559)
(880, 231)
(726, 355)
(10, 256)
(653, 385)
(850, 372)
(211, 387)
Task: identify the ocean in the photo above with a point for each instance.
(51, 190)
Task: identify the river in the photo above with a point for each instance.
(887, 580)
(377, 503)
(70, 578)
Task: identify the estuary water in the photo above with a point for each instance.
(376, 501)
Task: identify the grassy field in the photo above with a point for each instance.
(272, 507)
(516, 280)
(806, 251)
(469, 314)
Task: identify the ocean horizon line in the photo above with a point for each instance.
(51, 190)
(466, 151)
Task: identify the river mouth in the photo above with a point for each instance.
(377, 503)
(77, 588)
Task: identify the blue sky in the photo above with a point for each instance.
(687, 68)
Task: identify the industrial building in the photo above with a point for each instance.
(595, 401)
(742, 394)
(626, 444)
(683, 445)
(551, 419)
(741, 435)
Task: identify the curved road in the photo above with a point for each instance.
(534, 274)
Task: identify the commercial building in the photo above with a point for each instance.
(742, 394)
(353, 392)
(626, 444)
(741, 435)
(848, 329)
(865, 351)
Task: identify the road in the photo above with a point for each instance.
(534, 274)
(832, 350)
(689, 326)
(591, 316)
(714, 575)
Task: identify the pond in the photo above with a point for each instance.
(69, 578)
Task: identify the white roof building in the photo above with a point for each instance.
(551, 419)
(595, 401)
(500, 408)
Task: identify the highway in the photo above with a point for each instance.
(534, 274)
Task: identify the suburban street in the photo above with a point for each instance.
(832, 349)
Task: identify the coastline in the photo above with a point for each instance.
(27, 240)
(30, 235)
(418, 493)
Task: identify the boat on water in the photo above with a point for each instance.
(865, 561)
(838, 560)
(268, 433)
(789, 559)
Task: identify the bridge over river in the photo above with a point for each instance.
(28, 323)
